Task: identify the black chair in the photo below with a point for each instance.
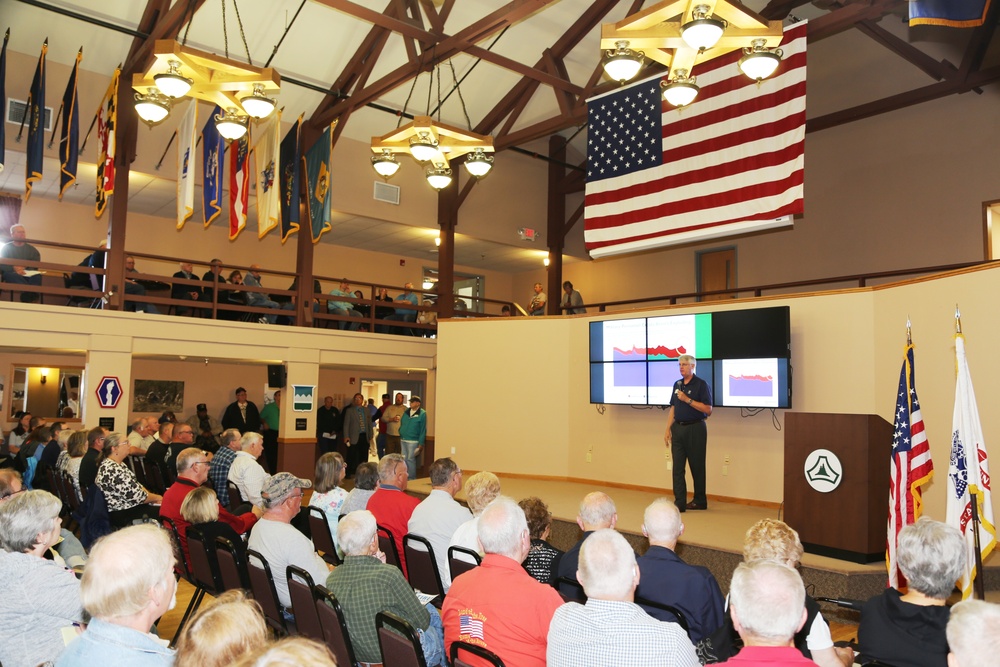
(478, 651)
(421, 566)
(457, 565)
(300, 591)
(398, 641)
(387, 545)
(182, 570)
(154, 478)
(335, 633)
(570, 589)
(322, 538)
(204, 567)
(232, 565)
(235, 498)
(263, 591)
(677, 613)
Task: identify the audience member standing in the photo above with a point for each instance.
(242, 414)
(270, 418)
(392, 416)
(572, 301)
(327, 420)
(358, 432)
(538, 300)
(412, 433)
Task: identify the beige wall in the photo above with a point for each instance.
(513, 395)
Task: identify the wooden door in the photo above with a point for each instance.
(717, 271)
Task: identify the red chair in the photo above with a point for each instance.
(300, 591)
(322, 538)
(461, 560)
(387, 545)
(335, 632)
(421, 566)
(263, 591)
(398, 641)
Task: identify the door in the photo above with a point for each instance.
(717, 271)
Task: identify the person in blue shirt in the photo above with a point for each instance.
(344, 308)
(412, 431)
(405, 314)
(687, 437)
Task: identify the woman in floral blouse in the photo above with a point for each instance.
(127, 499)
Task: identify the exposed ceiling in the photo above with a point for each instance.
(526, 68)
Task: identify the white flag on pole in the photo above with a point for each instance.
(186, 137)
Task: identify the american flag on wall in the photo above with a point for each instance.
(730, 163)
(911, 466)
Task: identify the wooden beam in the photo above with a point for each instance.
(557, 67)
(539, 75)
(847, 16)
(539, 130)
(437, 23)
(779, 9)
(906, 51)
(979, 42)
(383, 20)
(167, 26)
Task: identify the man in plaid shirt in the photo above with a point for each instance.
(364, 585)
(218, 473)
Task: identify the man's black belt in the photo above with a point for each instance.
(696, 421)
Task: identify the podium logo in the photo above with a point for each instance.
(823, 470)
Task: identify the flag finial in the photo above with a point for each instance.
(958, 320)
(909, 337)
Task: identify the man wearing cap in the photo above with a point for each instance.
(242, 414)
(412, 431)
(205, 426)
(280, 542)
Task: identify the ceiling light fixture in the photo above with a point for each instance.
(231, 125)
(152, 107)
(438, 177)
(385, 164)
(479, 163)
(172, 83)
(681, 90)
(759, 62)
(702, 32)
(622, 63)
(423, 147)
(257, 104)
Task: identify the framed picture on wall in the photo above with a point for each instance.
(158, 396)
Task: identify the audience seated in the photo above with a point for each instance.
(218, 471)
(40, 597)
(201, 510)
(344, 308)
(186, 292)
(182, 438)
(214, 278)
(480, 490)
(328, 495)
(17, 262)
(597, 511)
(20, 432)
(767, 605)
(289, 652)
(974, 634)
(669, 580)
(225, 629)
(405, 314)
(498, 605)
(610, 629)
(439, 515)
(364, 585)
(390, 505)
(68, 548)
(88, 464)
(128, 584)
(259, 299)
(365, 483)
(156, 455)
(908, 630)
(142, 435)
(542, 557)
(206, 428)
(281, 543)
(245, 472)
(76, 447)
(127, 500)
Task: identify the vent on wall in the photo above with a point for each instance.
(387, 193)
(15, 112)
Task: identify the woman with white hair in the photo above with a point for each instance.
(480, 490)
(40, 597)
(908, 629)
(127, 499)
(128, 584)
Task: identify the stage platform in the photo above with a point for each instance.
(712, 538)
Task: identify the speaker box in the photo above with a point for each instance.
(276, 375)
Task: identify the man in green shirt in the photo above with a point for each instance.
(270, 418)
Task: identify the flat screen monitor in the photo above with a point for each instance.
(752, 383)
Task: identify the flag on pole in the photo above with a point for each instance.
(952, 13)
(3, 96)
(730, 163)
(266, 149)
(317, 162)
(239, 185)
(36, 125)
(291, 170)
(107, 128)
(186, 138)
(213, 147)
(969, 471)
(69, 137)
(910, 467)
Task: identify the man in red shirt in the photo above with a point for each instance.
(192, 472)
(390, 504)
(498, 605)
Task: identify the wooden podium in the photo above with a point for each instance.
(848, 522)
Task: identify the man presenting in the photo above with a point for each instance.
(686, 435)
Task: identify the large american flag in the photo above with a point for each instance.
(730, 163)
(911, 466)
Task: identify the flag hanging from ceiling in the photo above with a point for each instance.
(969, 472)
(730, 163)
(239, 185)
(952, 13)
(909, 468)
(107, 129)
(290, 165)
(266, 149)
(3, 96)
(318, 182)
(35, 157)
(186, 139)
(213, 148)
(69, 137)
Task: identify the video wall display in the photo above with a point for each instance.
(743, 355)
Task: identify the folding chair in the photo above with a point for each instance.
(300, 590)
(204, 567)
(321, 536)
(263, 591)
(235, 498)
(477, 651)
(335, 632)
(181, 569)
(461, 560)
(398, 641)
(387, 545)
(232, 565)
(570, 589)
(677, 613)
(421, 566)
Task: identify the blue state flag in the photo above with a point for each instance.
(952, 13)
(213, 147)
(69, 137)
(36, 125)
(318, 182)
(289, 164)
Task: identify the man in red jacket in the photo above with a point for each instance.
(390, 504)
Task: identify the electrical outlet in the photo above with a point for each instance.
(670, 465)
(726, 461)
(588, 457)
(725, 470)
